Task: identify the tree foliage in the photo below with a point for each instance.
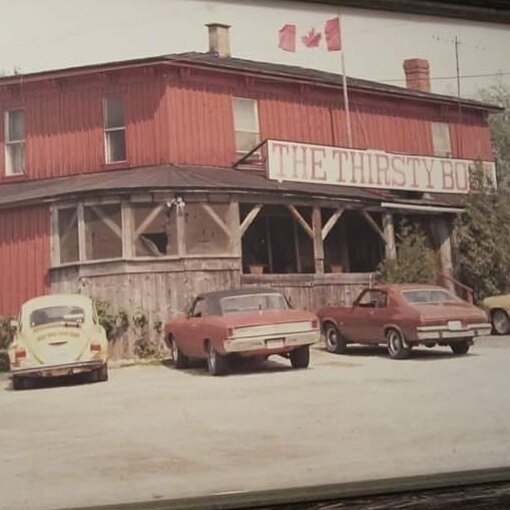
(415, 262)
(499, 94)
(483, 238)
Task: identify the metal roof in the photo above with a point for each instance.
(195, 179)
(296, 73)
(288, 73)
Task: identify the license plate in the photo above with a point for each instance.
(60, 371)
(454, 325)
(275, 343)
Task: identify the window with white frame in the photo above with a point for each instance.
(441, 142)
(246, 124)
(114, 129)
(14, 131)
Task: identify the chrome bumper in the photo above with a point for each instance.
(270, 343)
(445, 333)
(57, 370)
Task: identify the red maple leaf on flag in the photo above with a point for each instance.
(312, 38)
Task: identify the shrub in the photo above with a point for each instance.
(483, 238)
(114, 323)
(415, 262)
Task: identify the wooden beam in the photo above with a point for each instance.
(149, 219)
(81, 233)
(181, 232)
(296, 247)
(128, 248)
(318, 246)
(374, 225)
(55, 240)
(389, 235)
(212, 213)
(248, 220)
(297, 216)
(107, 221)
(328, 227)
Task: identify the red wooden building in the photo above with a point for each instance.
(124, 180)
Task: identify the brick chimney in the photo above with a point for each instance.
(417, 74)
(219, 41)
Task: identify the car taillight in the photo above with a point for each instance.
(315, 324)
(95, 347)
(20, 353)
(230, 332)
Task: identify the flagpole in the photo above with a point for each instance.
(346, 101)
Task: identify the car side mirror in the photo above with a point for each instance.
(14, 325)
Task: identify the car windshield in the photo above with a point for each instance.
(252, 303)
(429, 296)
(51, 314)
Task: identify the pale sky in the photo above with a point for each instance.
(48, 34)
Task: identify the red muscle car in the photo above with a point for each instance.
(401, 316)
(247, 323)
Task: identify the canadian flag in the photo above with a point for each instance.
(311, 38)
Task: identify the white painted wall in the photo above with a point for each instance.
(39, 35)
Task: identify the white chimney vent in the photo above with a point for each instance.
(219, 41)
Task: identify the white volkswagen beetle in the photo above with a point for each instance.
(58, 335)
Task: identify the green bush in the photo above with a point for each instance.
(415, 262)
(114, 323)
(483, 238)
(5, 340)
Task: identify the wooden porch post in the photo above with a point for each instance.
(441, 231)
(389, 235)
(318, 247)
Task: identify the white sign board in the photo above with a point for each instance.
(319, 164)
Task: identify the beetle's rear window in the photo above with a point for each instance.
(252, 303)
(426, 296)
(51, 314)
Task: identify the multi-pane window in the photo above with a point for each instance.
(441, 140)
(114, 129)
(246, 124)
(14, 130)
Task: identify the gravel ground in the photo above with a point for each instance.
(153, 432)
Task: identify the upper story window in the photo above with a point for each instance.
(246, 124)
(14, 131)
(114, 129)
(441, 142)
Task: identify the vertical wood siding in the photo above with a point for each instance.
(188, 119)
(24, 256)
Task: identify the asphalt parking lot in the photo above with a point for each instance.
(153, 432)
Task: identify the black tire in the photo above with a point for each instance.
(500, 322)
(396, 345)
(180, 360)
(102, 373)
(300, 357)
(460, 347)
(335, 341)
(216, 363)
(21, 383)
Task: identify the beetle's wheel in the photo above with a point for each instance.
(500, 322)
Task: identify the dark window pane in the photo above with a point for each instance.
(115, 146)
(16, 127)
(114, 115)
